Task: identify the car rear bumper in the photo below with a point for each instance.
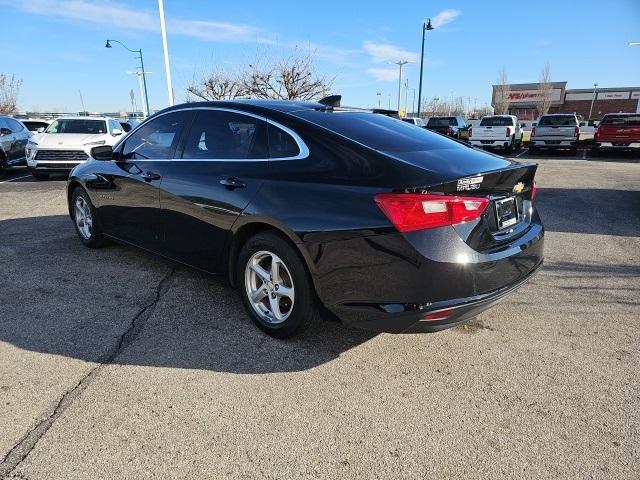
(618, 145)
(399, 286)
(553, 143)
(495, 143)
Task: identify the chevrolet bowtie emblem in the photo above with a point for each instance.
(518, 187)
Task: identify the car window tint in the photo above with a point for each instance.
(281, 144)
(14, 125)
(496, 122)
(558, 121)
(156, 139)
(219, 134)
(377, 131)
(621, 120)
(441, 122)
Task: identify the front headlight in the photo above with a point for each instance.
(31, 150)
(93, 144)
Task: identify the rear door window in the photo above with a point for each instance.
(223, 135)
(558, 121)
(496, 122)
(281, 144)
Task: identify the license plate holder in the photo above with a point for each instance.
(506, 212)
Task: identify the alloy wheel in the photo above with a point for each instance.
(269, 287)
(84, 222)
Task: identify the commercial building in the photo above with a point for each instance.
(523, 98)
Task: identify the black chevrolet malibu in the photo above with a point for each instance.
(306, 207)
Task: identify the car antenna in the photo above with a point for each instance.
(331, 100)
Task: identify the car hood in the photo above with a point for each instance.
(60, 140)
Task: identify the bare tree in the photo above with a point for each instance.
(501, 93)
(292, 78)
(9, 90)
(217, 86)
(543, 101)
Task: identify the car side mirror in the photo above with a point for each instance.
(5, 131)
(102, 152)
(116, 131)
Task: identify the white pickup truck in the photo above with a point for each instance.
(497, 131)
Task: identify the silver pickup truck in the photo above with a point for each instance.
(558, 130)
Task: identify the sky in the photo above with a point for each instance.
(57, 46)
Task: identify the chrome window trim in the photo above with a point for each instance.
(302, 147)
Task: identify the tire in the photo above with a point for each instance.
(595, 152)
(3, 166)
(299, 310)
(40, 176)
(88, 232)
(573, 152)
(509, 149)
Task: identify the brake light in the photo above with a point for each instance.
(470, 130)
(533, 132)
(449, 131)
(597, 134)
(508, 132)
(577, 131)
(415, 211)
(534, 190)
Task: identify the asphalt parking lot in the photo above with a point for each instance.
(116, 364)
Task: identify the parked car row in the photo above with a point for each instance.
(13, 141)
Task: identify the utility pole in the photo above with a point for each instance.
(593, 99)
(400, 63)
(143, 89)
(425, 27)
(406, 96)
(82, 101)
(144, 78)
(379, 94)
(163, 30)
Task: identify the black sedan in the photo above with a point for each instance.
(305, 206)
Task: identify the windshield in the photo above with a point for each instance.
(441, 121)
(558, 121)
(496, 122)
(78, 126)
(621, 120)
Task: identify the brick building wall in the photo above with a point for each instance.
(600, 107)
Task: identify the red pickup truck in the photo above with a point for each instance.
(619, 131)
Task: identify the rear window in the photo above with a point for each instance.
(621, 120)
(558, 121)
(441, 122)
(378, 131)
(496, 122)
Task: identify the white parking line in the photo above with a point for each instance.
(17, 178)
(522, 153)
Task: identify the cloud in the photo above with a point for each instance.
(385, 52)
(444, 17)
(384, 74)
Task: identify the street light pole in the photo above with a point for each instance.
(165, 49)
(425, 27)
(595, 86)
(400, 63)
(144, 78)
(379, 94)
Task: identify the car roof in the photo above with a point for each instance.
(620, 114)
(284, 106)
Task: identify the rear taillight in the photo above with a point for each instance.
(441, 315)
(534, 190)
(470, 130)
(414, 211)
(597, 134)
(577, 132)
(533, 132)
(449, 131)
(508, 132)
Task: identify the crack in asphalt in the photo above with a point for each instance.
(23, 448)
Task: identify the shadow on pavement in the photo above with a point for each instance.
(63, 299)
(592, 211)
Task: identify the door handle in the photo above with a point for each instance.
(232, 182)
(148, 176)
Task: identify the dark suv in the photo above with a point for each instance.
(455, 127)
(13, 141)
